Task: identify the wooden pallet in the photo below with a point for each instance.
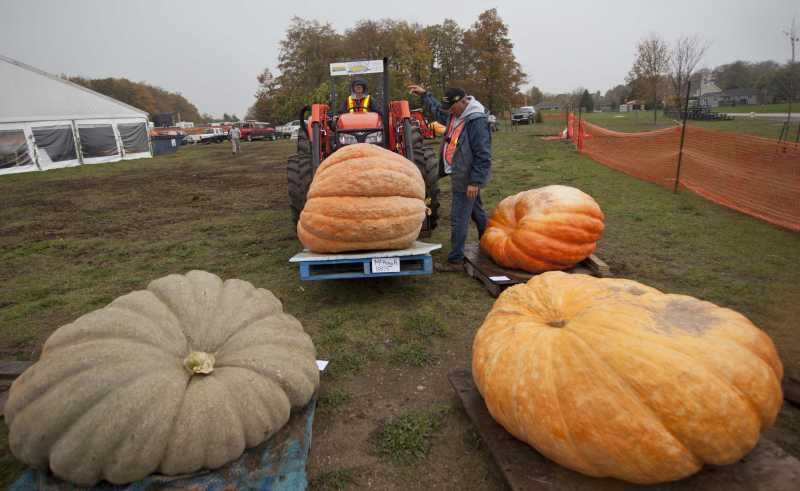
(767, 467)
(481, 267)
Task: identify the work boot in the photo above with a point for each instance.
(449, 267)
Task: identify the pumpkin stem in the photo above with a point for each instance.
(199, 362)
(558, 323)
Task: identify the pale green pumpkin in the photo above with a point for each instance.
(179, 377)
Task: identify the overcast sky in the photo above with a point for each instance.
(212, 50)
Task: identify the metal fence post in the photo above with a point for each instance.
(683, 136)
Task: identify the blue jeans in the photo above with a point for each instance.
(462, 210)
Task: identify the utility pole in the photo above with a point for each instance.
(794, 38)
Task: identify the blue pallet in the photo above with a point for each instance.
(362, 268)
(279, 464)
(414, 260)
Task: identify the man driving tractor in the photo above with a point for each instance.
(359, 99)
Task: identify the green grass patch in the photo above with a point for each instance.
(637, 121)
(424, 325)
(413, 354)
(332, 398)
(756, 108)
(406, 439)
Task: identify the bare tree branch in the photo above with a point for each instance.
(686, 54)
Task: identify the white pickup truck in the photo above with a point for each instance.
(208, 135)
(289, 130)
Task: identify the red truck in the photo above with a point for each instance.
(256, 130)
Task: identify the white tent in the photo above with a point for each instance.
(47, 122)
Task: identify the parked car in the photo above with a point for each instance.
(289, 129)
(205, 136)
(523, 115)
(256, 130)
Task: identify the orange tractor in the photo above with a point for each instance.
(324, 131)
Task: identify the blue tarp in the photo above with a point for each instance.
(279, 464)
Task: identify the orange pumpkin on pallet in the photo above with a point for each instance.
(363, 197)
(610, 377)
(549, 228)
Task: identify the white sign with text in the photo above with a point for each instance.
(385, 264)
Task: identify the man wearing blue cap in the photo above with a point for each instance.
(466, 156)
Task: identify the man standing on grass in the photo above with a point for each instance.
(466, 156)
(235, 135)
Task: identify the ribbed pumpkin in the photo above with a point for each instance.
(610, 377)
(363, 197)
(173, 379)
(549, 228)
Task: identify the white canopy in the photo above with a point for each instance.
(48, 122)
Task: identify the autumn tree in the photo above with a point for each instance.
(617, 95)
(447, 61)
(535, 95)
(586, 101)
(141, 95)
(650, 69)
(493, 76)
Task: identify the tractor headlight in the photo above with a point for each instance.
(347, 139)
(375, 137)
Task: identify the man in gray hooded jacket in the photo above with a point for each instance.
(466, 156)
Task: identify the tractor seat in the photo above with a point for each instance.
(354, 121)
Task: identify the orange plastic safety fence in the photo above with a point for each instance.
(756, 176)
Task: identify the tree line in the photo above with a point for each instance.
(480, 59)
(143, 96)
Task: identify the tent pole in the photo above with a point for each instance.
(76, 141)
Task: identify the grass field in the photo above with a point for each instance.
(636, 121)
(72, 240)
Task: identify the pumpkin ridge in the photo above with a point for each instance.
(283, 382)
(173, 425)
(135, 377)
(202, 302)
(73, 330)
(267, 402)
(553, 372)
(558, 231)
(189, 339)
(244, 324)
(121, 441)
(636, 395)
(522, 360)
(713, 372)
(529, 256)
(515, 238)
(107, 469)
(109, 337)
(397, 171)
(290, 341)
(233, 411)
(79, 370)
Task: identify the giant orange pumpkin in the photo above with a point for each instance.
(549, 228)
(363, 197)
(610, 377)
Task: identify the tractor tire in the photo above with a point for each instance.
(300, 172)
(425, 159)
